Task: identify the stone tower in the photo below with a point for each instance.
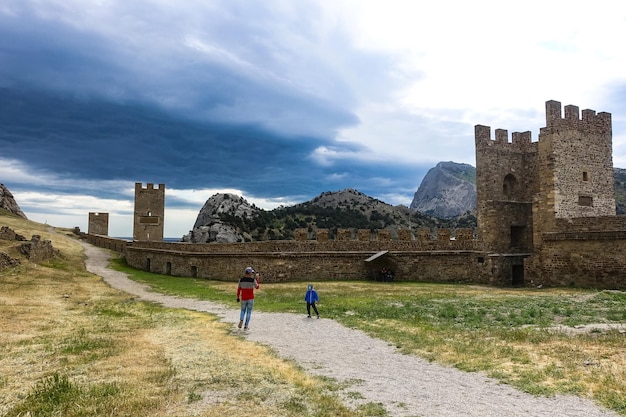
(524, 188)
(575, 166)
(149, 212)
(506, 183)
(98, 224)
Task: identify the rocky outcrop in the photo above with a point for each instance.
(6, 233)
(448, 190)
(7, 262)
(215, 222)
(7, 202)
(38, 250)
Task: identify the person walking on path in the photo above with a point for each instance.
(311, 298)
(245, 294)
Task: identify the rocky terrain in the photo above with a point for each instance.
(448, 190)
(7, 202)
(215, 220)
(446, 197)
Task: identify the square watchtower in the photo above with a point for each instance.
(575, 165)
(149, 212)
(506, 183)
(98, 224)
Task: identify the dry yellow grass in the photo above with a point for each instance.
(131, 358)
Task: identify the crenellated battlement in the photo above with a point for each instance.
(590, 121)
(521, 141)
(149, 186)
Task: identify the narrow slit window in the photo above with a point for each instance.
(585, 176)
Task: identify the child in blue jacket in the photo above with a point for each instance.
(311, 298)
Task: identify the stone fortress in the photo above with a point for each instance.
(545, 210)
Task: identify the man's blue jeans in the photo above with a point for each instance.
(246, 311)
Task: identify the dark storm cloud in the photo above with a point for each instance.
(93, 140)
(184, 79)
(75, 104)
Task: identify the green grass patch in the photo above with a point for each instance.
(57, 395)
(507, 333)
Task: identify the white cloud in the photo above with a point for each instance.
(495, 63)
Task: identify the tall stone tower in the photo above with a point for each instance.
(575, 166)
(506, 182)
(149, 212)
(98, 224)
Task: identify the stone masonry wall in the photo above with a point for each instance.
(98, 223)
(578, 161)
(506, 183)
(588, 260)
(431, 266)
(440, 260)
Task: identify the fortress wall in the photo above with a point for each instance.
(588, 260)
(149, 212)
(584, 258)
(577, 163)
(372, 246)
(591, 224)
(117, 245)
(279, 261)
(431, 266)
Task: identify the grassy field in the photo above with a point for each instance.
(72, 346)
(509, 334)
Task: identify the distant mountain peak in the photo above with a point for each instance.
(347, 197)
(448, 190)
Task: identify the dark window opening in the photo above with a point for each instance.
(481, 260)
(517, 273)
(194, 271)
(585, 176)
(148, 262)
(585, 201)
(168, 268)
(518, 237)
(509, 186)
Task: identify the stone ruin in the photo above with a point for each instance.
(36, 250)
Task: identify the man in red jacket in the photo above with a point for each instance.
(245, 293)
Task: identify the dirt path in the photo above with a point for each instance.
(405, 385)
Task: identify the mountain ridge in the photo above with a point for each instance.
(219, 221)
(239, 221)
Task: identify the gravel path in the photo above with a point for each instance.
(405, 385)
